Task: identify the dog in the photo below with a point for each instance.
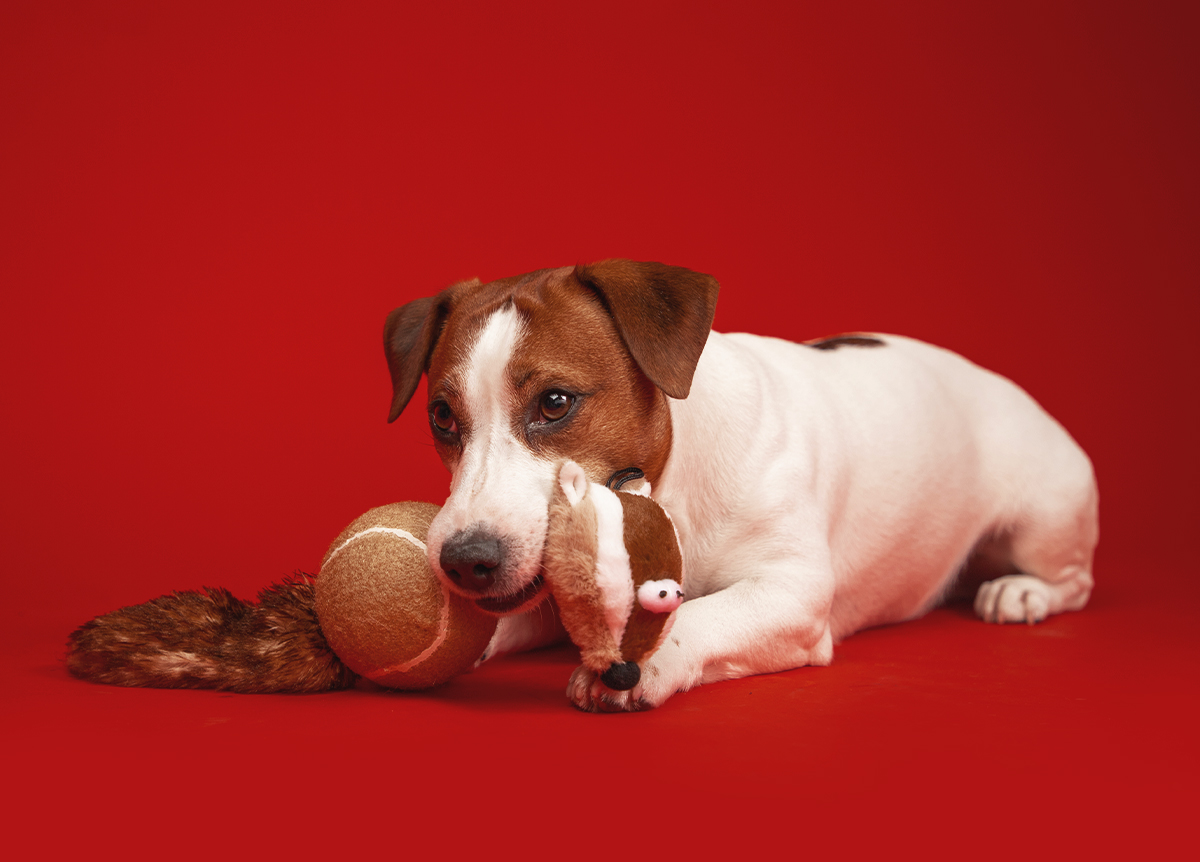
(817, 488)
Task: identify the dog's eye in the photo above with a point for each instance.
(555, 405)
(442, 418)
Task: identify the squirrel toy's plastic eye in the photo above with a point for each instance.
(555, 405)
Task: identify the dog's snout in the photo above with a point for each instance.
(472, 559)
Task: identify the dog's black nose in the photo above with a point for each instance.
(472, 559)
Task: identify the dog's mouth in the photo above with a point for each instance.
(526, 597)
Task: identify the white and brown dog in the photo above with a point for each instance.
(818, 488)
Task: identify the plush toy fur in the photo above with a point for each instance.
(613, 563)
(210, 639)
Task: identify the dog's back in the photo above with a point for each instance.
(892, 457)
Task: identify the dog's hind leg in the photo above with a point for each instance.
(1050, 549)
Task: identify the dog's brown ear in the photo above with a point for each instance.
(409, 336)
(664, 314)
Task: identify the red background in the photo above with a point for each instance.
(208, 210)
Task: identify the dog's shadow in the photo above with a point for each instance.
(521, 681)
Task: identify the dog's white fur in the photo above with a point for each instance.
(819, 494)
(497, 481)
(815, 492)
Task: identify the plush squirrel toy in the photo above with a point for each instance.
(613, 564)
(377, 610)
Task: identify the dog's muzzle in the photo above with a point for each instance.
(474, 561)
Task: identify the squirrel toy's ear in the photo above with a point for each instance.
(573, 482)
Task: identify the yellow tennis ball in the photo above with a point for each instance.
(385, 613)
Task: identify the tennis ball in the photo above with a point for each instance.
(385, 613)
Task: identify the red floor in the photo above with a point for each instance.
(943, 735)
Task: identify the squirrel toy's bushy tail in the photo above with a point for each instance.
(210, 639)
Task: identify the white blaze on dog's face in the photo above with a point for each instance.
(500, 488)
(527, 372)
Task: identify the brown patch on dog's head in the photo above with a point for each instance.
(618, 336)
(620, 417)
(663, 314)
(410, 335)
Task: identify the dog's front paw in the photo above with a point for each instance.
(1013, 599)
(588, 693)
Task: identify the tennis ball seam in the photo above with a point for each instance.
(395, 531)
(444, 619)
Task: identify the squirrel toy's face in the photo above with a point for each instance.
(613, 563)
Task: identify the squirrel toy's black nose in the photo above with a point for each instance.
(621, 676)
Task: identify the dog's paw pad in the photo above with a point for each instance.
(1013, 599)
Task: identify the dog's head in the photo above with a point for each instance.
(574, 363)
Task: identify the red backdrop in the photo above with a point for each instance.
(208, 210)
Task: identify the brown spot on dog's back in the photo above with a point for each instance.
(846, 341)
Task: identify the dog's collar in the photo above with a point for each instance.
(619, 479)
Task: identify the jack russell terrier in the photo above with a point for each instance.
(817, 489)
